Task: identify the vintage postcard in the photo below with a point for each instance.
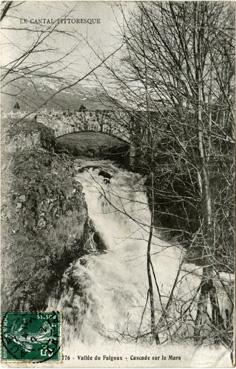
(117, 183)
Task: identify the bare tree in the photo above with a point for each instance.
(178, 73)
(25, 67)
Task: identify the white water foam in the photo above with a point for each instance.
(114, 284)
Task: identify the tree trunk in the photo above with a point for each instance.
(207, 297)
(149, 271)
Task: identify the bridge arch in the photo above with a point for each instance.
(113, 123)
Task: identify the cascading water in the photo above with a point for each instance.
(108, 292)
(103, 295)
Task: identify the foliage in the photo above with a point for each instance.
(45, 224)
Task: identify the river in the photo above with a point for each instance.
(105, 293)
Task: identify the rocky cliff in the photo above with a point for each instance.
(45, 225)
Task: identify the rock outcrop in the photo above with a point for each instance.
(45, 224)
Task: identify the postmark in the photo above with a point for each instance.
(30, 336)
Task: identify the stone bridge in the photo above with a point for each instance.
(109, 123)
(114, 123)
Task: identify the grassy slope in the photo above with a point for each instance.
(93, 144)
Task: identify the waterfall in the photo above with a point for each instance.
(104, 293)
(109, 301)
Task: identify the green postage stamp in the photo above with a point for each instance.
(30, 336)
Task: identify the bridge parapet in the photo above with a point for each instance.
(112, 122)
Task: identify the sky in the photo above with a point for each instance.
(84, 41)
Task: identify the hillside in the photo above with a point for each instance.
(31, 94)
(94, 144)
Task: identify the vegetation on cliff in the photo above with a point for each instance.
(44, 216)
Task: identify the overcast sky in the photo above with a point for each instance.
(104, 37)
